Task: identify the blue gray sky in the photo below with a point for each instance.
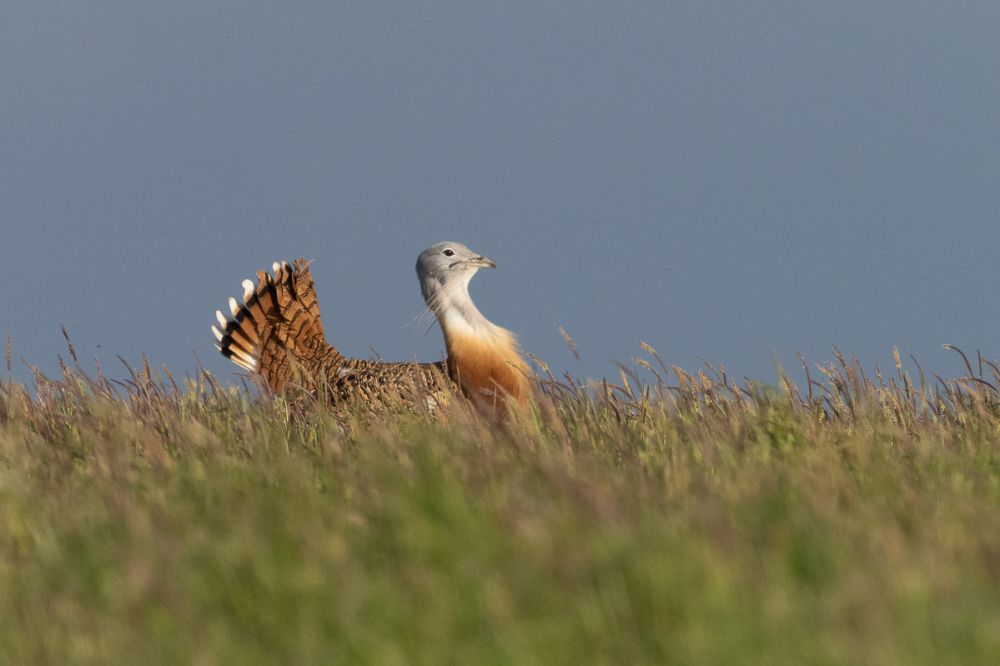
(728, 181)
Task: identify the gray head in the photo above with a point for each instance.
(447, 265)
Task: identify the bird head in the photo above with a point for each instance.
(447, 264)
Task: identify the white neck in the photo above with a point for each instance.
(455, 310)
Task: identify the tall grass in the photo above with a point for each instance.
(666, 516)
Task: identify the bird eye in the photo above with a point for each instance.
(449, 252)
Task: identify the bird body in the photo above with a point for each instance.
(277, 334)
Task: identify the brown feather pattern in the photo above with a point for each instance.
(277, 333)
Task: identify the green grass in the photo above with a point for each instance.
(650, 521)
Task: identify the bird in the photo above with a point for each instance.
(482, 357)
(277, 334)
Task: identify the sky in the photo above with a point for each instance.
(730, 182)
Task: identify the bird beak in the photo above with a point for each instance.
(485, 262)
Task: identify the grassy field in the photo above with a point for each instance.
(664, 518)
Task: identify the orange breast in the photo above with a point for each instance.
(487, 370)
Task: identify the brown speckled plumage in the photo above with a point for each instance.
(277, 333)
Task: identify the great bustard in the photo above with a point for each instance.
(277, 334)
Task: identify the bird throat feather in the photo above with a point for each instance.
(482, 357)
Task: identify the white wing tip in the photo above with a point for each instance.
(217, 333)
(233, 306)
(247, 289)
(222, 320)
